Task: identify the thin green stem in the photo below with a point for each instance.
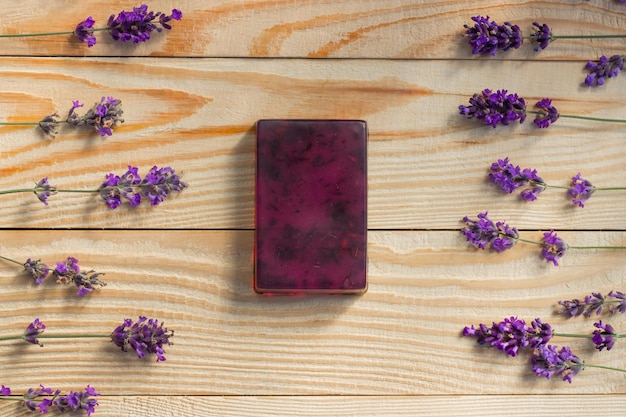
(28, 35)
(610, 368)
(11, 398)
(581, 37)
(19, 123)
(11, 260)
(58, 336)
(562, 187)
(35, 190)
(573, 116)
(534, 242)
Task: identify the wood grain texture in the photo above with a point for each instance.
(427, 164)
(347, 406)
(405, 29)
(403, 337)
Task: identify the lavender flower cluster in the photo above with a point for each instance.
(67, 272)
(74, 401)
(513, 335)
(484, 234)
(103, 117)
(136, 25)
(511, 177)
(502, 107)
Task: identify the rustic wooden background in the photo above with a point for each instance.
(191, 98)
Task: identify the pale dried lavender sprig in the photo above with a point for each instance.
(103, 116)
(595, 303)
(74, 401)
(135, 26)
(146, 336)
(510, 177)
(155, 186)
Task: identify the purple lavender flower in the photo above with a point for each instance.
(484, 233)
(548, 114)
(510, 177)
(77, 401)
(495, 108)
(84, 31)
(37, 269)
(591, 304)
(32, 330)
(103, 116)
(603, 68)
(156, 186)
(548, 361)
(69, 272)
(487, 37)
(43, 190)
(543, 36)
(137, 25)
(144, 337)
(511, 334)
(581, 190)
(73, 401)
(604, 336)
(5, 391)
(554, 247)
(621, 306)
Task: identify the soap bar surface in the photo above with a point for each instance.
(311, 206)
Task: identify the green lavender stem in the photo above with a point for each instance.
(573, 116)
(57, 336)
(562, 187)
(11, 260)
(30, 35)
(581, 37)
(35, 190)
(534, 242)
(610, 368)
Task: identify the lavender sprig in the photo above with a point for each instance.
(155, 186)
(144, 337)
(503, 108)
(486, 37)
(103, 116)
(511, 177)
(136, 26)
(603, 68)
(74, 401)
(67, 272)
(595, 303)
(484, 234)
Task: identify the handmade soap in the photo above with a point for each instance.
(311, 206)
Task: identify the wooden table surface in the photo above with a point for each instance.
(191, 97)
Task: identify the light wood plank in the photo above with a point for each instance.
(427, 164)
(401, 338)
(318, 28)
(319, 406)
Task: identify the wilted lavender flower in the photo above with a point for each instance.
(581, 190)
(37, 269)
(591, 304)
(510, 177)
(603, 68)
(103, 116)
(73, 401)
(604, 337)
(487, 37)
(69, 272)
(5, 391)
(548, 114)
(84, 31)
(511, 334)
(484, 232)
(553, 247)
(543, 36)
(144, 337)
(156, 186)
(32, 330)
(548, 361)
(137, 25)
(49, 125)
(495, 108)
(43, 190)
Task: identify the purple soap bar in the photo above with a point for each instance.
(311, 206)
